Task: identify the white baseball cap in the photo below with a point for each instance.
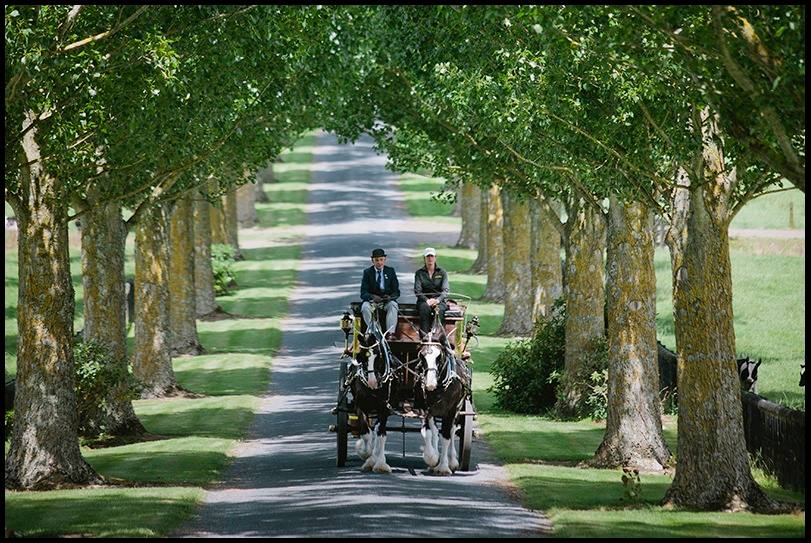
(429, 251)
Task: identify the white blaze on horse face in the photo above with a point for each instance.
(370, 371)
(431, 353)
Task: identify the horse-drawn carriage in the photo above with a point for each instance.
(425, 378)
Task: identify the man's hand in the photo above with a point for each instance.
(432, 302)
(385, 298)
(376, 299)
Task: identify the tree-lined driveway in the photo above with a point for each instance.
(284, 480)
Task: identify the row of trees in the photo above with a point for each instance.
(588, 120)
(145, 108)
(598, 118)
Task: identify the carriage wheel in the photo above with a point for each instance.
(342, 426)
(466, 437)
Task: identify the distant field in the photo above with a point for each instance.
(783, 210)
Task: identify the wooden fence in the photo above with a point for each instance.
(776, 434)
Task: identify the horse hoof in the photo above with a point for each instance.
(367, 466)
(444, 472)
(382, 468)
(430, 461)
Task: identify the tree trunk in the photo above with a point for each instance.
(152, 362)
(219, 236)
(585, 296)
(480, 265)
(44, 450)
(633, 433)
(205, 301)
(182, 310)
(103, 236)
(517, 273)
(470, 204)
(246, 199)
(231, 226)
(495, 247)
(712, 472)
(547, 281)
(261, 195)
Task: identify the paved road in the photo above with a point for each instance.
(284, 481)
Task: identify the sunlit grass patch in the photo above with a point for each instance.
(773, 211)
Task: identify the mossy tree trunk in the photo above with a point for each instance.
(219, 235)
(231, 224)
(152, 361)
(584, 240)
(517, 272)
(182, 298)
(44, 450)
(470, 211)
(633, 434)
(246, 204)
(713, 470)
(495, 247)
(480, 265)
(205, 301)
(547, 281)
(103, 237)
(259, 186)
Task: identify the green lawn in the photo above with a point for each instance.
(782, 210)
(541, 454)
(419, 191)
(194, 435)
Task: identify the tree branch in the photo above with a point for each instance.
(768, 112)
(103, 35)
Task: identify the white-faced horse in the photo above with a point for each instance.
(443, 393)
(371, 388)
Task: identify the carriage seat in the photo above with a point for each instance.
(408, 321)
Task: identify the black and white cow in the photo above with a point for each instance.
(802, 375)
(747, 372)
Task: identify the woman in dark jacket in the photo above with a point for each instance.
(431, 288)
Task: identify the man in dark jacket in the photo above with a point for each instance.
(380, 286)
(431, 288)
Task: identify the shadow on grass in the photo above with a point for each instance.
(11, 344)
(99, 512)
(266, 278)
(546, 446)
(220, 422)
(551, 491)
(220, 382)
(255, 308)
(281, 195)
(251, 341)
(281, 251)
(281, 217)
(175, 467)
